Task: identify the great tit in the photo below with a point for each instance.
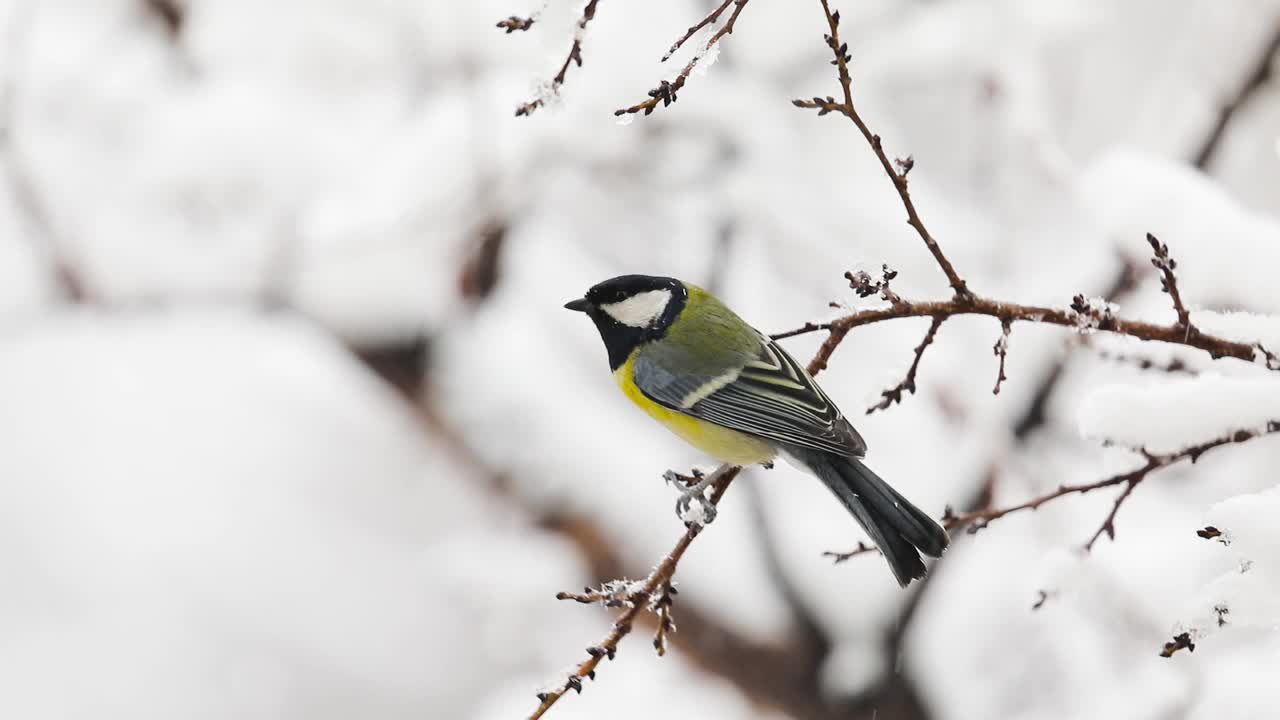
(732, 392)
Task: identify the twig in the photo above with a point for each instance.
(27, 197)
(170, 14)
(908, 384)
(839, 557)
(711, 17)
(666, 91)
(1001, 349)
(1256, 81)
(899, 174)
(802, 330)
(1168, 281)
(638, 600)
(980, 519)
(574, 56)
(1108, 525)
(661, 607)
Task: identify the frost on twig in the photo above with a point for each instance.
(552, 89)
(665, 93)
(1090, 314)
(633, 594)
(864, 285)
(711, 18)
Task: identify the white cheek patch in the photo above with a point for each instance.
(640, 309)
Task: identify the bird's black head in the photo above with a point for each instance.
(632, 309)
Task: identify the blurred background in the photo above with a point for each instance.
(294, 425)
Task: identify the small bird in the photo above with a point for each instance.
(732, 392)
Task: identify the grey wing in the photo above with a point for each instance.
(770, 396)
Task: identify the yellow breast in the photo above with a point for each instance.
(721, 443)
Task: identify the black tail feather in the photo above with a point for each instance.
(896, 526)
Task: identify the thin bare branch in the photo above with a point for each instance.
(1001, 349)
(31, 203)
(839, 557)
(574, 56)
(1108, 525)
(897, 174)
(637, 600)
(666, 91)
(1257, 79)
(171, 14)
(980, 519)
(908, 383)
(802, 330)
(1168, 280)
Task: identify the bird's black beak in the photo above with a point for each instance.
(579, 305)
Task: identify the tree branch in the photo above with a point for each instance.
(710, 18)
(1083, 315)
(908, 384)
(574, 56)
(27, 197)
(899, 174)
(1001, 349)
(1256, 80)
(636, 600)
(1168, 281)
(666, 91)
(980, 519)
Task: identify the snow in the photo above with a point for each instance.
(1240, 326)
(1247, 596)
(1166, 415)
(249, 526)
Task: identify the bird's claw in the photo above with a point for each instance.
(690, 493)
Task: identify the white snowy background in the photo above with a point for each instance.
(211, 506)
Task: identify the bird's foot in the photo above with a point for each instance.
(693, 490)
